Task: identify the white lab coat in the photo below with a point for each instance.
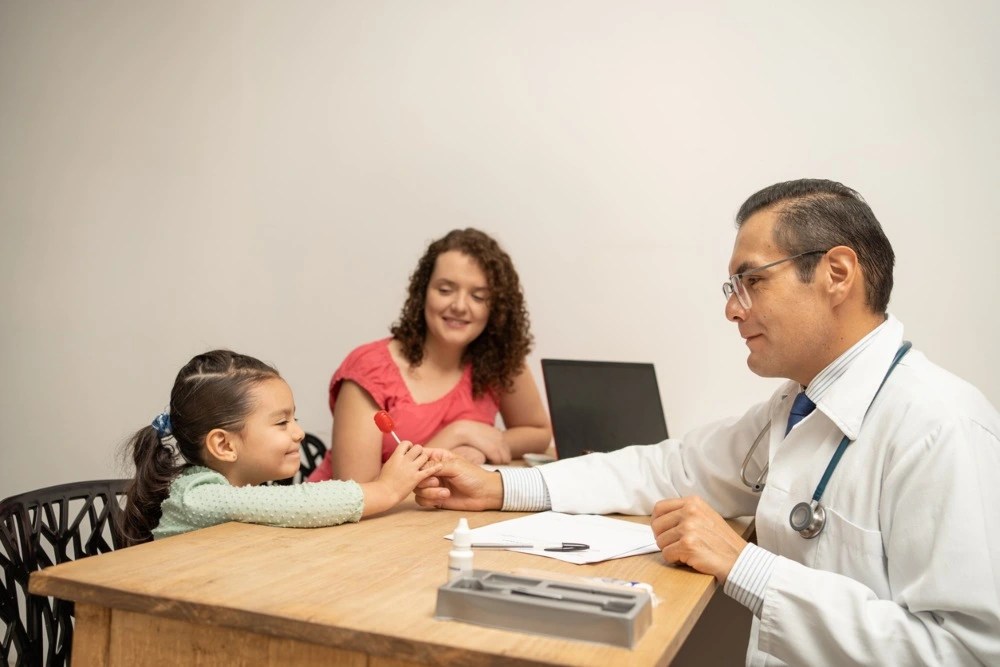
(907, 570)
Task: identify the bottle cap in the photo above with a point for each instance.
(462, 537)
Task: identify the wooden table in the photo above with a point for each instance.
(356, 594)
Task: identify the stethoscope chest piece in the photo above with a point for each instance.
(807, 520)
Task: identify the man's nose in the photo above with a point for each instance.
(735, 312)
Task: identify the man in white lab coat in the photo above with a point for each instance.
(906, 568)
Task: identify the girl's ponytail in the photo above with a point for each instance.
(156, 466)
(211, 391)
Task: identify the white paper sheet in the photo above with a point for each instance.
(607, 538)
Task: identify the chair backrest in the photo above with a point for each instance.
(41, 528)
(311, 452)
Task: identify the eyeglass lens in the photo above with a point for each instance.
(735, 286)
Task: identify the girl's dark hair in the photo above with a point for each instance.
(211, 391)
(498, 353)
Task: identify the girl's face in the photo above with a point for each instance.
(457, 304)
(268, 446)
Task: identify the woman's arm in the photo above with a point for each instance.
(356, 445)
(525, 420)
(524, 417)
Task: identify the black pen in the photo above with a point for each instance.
(563, 546)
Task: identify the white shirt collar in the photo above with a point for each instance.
(844, 390)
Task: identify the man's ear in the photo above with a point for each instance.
(843, 274)
(220, 445)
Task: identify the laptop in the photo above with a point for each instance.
(600, 406)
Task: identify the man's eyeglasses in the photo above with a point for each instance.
(735, 284)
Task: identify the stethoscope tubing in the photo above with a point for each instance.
(757, 486)
(813, 528)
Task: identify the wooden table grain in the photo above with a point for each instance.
(355, 594)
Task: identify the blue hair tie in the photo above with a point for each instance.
(162, 425)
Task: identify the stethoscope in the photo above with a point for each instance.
(809, 519)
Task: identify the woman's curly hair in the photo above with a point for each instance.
(498, 353)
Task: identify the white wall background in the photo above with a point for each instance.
(178, 176)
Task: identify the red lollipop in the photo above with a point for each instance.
(384, 423)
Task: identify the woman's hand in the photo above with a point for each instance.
(466, 434)
(487, 439)
(470, 454)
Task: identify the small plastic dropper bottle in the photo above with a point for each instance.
(460, 556)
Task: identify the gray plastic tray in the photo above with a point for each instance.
(547, 607)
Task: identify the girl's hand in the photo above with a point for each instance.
(437, 455)
(408, 466)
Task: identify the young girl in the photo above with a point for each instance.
(455, 359)
(232, 420)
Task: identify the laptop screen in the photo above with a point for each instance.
(600, 406)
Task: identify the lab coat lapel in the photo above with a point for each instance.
(847, 401)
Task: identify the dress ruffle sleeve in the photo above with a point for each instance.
(372, 369)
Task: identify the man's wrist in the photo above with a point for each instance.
(729, 563)
(748, 578)
(495, 491)
(523, 490)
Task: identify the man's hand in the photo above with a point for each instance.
(688, 531)
(460, 485)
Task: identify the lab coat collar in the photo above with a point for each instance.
(847, 400)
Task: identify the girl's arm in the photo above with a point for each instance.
(204, 498)
(356, 445)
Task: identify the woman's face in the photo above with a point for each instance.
(457, 303)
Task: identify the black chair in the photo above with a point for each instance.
(38, 529)
(311, 452)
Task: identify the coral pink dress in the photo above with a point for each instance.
(371, 367)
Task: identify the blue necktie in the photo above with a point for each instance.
(800, 410)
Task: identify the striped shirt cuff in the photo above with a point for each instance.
(747, 582)
(524, 490)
